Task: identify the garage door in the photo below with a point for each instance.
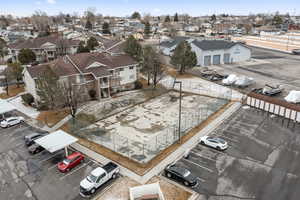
(207, 60)
(226, 58)
(217, 59)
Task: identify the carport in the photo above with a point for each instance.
(56, 141)
(5, 107)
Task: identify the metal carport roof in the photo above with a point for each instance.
(5, 107)
(56, 141)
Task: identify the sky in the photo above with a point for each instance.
(154, 7)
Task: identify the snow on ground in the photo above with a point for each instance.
(145, 129)
(29, 111)
(2, 90)
(152, 118)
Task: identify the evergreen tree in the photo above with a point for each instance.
(147, 30)
(26, 56)
(82, 48)
(133, 48)
(89, 25)
(136, 15)
(176, 17)
(167, 19)
(92, 43)
(105, 28)
(183, 57)
(15, 70)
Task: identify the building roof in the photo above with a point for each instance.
(173, 42)
(37, 43)
(97, 64)
(5, 107)
(56, 141)
(213, 44)
(202, 44)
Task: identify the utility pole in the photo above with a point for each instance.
(180, 98)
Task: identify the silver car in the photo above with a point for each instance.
(11, 121)
(214, 142)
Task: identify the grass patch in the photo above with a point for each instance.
(174, 73)
(52, 117)
(13, 90)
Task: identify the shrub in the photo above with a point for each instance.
(138, 85)
(27, 98)
(86, 117)
(92, 93)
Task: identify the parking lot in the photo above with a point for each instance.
(25, 176)
(262, 161)
(266, 67)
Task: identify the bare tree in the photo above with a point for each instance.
(40, 20)
(72, 96)
(152, 66)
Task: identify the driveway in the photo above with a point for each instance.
(262, 161)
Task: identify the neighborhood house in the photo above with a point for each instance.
(45, 48)
(101, 72)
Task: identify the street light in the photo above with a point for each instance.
(180, 97)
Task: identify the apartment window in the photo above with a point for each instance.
(131, 67)
(121, 69)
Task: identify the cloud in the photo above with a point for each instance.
(156, 10)
(51, 1)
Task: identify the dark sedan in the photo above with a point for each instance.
(296, 51)
(181, 174)
(29, 139)
(35, 148)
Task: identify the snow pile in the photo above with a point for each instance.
(231, 79)
(244, 81)
(293, 97)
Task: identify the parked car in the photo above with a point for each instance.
(97, 178)
(70, 162)
(268, 90)
(296, 51)
(214, 142)
(35, 148)
(11, 121)
(29, 139)
(181, 174)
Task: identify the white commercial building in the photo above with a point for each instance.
(211, 52)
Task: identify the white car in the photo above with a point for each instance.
(214, 142)
(10, 121)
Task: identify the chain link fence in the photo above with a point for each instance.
(142, 150)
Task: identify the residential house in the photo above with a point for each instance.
(101, 72)
(210, 52)
(45, 48)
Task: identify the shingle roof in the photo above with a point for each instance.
(213, 44)
(38, 42)
(59, 67)
(174, 41)
(202, 44)
(64, 66)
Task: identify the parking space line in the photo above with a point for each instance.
(53, 166)
(19, 144)
(200, 179)
(203, 156)
(228, 138)
(75, 170)
(105, 190)
(199, 165)
(49, 157)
